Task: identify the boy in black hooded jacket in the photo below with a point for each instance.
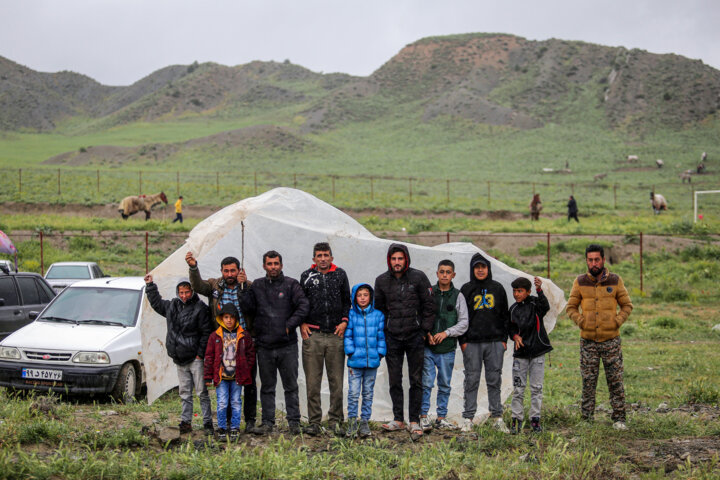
(527, 330)
(484, 342)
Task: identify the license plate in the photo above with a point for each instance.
(41, 374)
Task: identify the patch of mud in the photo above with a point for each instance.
(669, 455)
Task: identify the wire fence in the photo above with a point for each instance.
(555, 256)
(219, 188)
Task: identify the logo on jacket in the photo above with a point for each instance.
(316, 281)
(609, 289)
(485, 300)
(281, 295)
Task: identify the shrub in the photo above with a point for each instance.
(82, 244)
(700, 391)
(665, 322)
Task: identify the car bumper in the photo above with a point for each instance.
(75, 379)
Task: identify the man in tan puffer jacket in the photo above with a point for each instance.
(598, 294)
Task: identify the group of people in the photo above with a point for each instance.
(536, 207)
(251, 327)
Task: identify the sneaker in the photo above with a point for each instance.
(313, 430)
(466, 425)
(222, 434)
(249, 427)
(443, 424)
(364, 429)
(620, 425)
(263, 429)
(234, 434)
(535, 425)
(294, 428)
(426, 424)
(500, 426)
(185, 427)
(515, 426)
(352, 427)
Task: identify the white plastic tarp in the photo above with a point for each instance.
(291, 222)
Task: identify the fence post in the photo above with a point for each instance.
(58, 182)
(447, 192)
(98, 180)
(615, 196)
(140, 182)
(20, 182)
(177, 183)
(333, 187)
(217, 183)
(147, 248)
(42, 255)
(548, 255)
(641, 263)
(372, 189)
(447, 236)
(410, 189)
(692, 201)
(488, 185)
(294, 180)
(256, 183)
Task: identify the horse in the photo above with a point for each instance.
(658, 202)
(134, 203)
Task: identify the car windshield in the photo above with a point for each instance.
(75, 272)
(95, 306)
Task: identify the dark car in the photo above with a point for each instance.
(20, 294)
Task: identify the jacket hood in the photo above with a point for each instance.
(397, 247)
(479, 258)
(355, 306)
(232, 310)
(184, 282)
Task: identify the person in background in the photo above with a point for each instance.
(572, 209)
(178, 210)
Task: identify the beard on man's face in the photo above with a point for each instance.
(595, 271)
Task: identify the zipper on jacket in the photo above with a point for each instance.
(367, 346)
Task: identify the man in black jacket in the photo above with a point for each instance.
(279, 306)
(485, 340)
(188, 329)
(328, 290)
(404, 295)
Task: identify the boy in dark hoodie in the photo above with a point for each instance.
(527, 330)
(188, 328)
(484, 342)
(229, 360)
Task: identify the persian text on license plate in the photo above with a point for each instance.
(41, 374)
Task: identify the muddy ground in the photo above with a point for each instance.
(643, 455)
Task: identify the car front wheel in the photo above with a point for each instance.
(124, 390)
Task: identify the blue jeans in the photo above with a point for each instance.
(361, 378)
(229, 390)
(443, 364)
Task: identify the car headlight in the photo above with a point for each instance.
(10, 353)
(91, 357)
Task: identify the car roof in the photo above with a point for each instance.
(73, 263)
(127, 283)
(22, 274)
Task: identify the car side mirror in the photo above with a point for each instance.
(2, 302)
(33, 315)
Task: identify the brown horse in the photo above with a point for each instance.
(134, 203)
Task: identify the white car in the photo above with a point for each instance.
(62, 274)
(87, 340)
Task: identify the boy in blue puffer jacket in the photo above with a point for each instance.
(365, 347)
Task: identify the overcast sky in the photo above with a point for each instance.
(117, 42)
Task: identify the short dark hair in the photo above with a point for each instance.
(230, 261)
(271, 254)
(594, 247)
(322, 247)
(446, 263)
(362, 287)
(521, 282)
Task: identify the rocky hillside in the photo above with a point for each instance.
(489, 78)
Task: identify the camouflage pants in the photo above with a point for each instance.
(611, 354)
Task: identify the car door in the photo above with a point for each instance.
(31, 300)
(12, 315)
